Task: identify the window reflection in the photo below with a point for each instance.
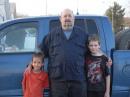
(19, 38)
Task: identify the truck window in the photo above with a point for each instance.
(87, 25)
(20, 37)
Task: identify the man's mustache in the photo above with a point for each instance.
(67, 20)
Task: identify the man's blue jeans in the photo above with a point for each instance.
(68, 88)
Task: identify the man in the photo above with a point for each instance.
(65, 48)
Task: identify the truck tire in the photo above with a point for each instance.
(123, 40)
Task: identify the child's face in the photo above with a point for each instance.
(37, 64)
(94, 47)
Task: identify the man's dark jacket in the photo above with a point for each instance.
(66, 56)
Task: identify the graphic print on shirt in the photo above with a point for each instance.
(95, 72)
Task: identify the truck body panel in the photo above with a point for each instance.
(20, 38)
(121, 73)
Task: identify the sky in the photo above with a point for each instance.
(54, 7)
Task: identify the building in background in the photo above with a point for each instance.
(13, 10)
(7, 10)
(127, 22)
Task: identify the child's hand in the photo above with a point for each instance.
(29, 67)
(109, 63)
(106, 94)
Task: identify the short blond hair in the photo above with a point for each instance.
(39, 55)
(93, 37)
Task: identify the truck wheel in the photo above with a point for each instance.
(123, 40)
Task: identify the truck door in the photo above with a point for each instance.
(121, 73)
(17, 43)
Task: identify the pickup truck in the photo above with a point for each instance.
(21, 37)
